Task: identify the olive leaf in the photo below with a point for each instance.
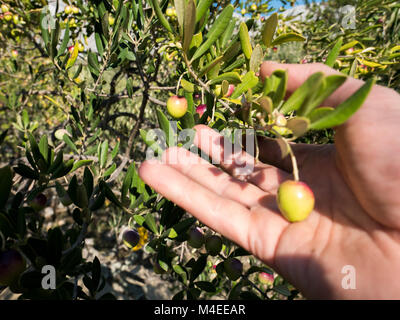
(345, 110)
(202, 7)
(231, 77)
(269, 29)
(245, 40)
(318, 113)
(296, 100)
(189, 24)
(330, 60)
(288, 37)
(216, 30)
(248, 82)
(298, 125)
(256, 58)
(160, 15)
(266, 104)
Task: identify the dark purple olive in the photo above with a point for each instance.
(195, 237)
(131, 238)
(12, 264)
(233, 268)
(213, 245)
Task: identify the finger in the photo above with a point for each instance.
(257, 230)
(298, 73)
(237, 162)
(270, 153)
(212, 178)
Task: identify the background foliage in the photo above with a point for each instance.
(80, 90)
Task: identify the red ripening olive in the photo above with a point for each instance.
(130, 238)
(200, 109)
(265, 278)
(295, 200)
(231, 88)
(195, 237)
(12, 264)
(71, 49)
(275, 49)
(233, 268)
(213, 245)
(177, 106)
(8, 16)
(39, 202)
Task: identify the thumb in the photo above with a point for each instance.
(298, 73)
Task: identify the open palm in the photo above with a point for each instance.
(356, 183)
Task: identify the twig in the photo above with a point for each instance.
(78, 241)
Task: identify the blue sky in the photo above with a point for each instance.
(277, 3)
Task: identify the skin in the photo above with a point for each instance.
(356, 219)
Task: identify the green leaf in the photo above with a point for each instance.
(64, 43)
(197, 39)
(188, 86)
(188, 121)
(180, 13)
(165, 126)
(160, 15)
(226, 36)
(69, 143)
(181, 272)
(216, 30)
(298, 125)
(205, 286)
(245, 40)
(99, 44)
(80, 163)
(256, 58)
(328, 86)
(330, 60)
(103, 153)
(318, 113)
(109, 193)
(249, 81)
(93, 63)
(190, 23)
(282, 289)
(6, 176)
(44, 147)
(110, 170)
(55, 35)
(198, 267)
(210, 66)
(231, 77)
(77, 193)
(297, 98)
(181, 227)
(266, 104)
(26, 172)
(269, 29)
(345, 110)
(150, 141)
(281, 77)
(288, 37)
(151, 223)
(202, 7)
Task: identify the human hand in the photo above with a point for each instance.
(356, 220)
